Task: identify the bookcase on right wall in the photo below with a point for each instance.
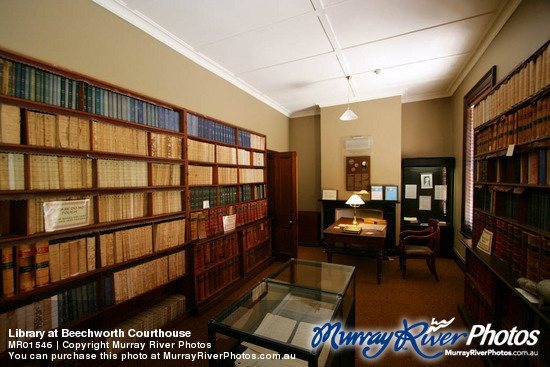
(512, 201)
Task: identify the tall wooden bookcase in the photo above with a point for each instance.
(512, 201)
(146, 189)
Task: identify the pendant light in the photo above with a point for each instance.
(348, 115)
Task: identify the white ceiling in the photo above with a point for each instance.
(295, 54)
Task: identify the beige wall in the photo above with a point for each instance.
(380, 119)
(305, 140)
(525, 31)
(426, 129)
(82, 36)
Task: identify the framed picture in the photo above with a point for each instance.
(426, 181)
(377, 192)
(390, 192)
(330, 194)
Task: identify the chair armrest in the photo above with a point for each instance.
(406, 233)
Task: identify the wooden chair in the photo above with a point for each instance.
(423, 244)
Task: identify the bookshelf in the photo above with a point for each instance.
(512, 200)
(100, 185)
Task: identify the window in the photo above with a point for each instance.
(471, 98)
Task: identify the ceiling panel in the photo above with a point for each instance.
(361, 21)
(293, 39)
(295, 74)
(447, 40)
(294, 54)
(202, 22)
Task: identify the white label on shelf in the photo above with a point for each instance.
(206, 204)
(510, 151)
(229, 222)
(60, 215)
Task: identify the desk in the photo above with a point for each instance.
(369, 238)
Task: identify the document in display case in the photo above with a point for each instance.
(278, 317)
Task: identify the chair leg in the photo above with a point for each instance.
(433, 267)
(404, 267)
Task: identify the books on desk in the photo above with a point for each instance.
(352, 229)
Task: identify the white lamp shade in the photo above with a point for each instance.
(348, 115)
(355, 200)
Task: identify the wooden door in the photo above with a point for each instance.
(282, 192)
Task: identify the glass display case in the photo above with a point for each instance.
(277, 318)
(327, 277)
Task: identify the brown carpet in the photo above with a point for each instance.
(378, 307)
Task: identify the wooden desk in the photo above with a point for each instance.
(370, 238)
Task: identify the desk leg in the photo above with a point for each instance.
(379, 259)
(329, 251)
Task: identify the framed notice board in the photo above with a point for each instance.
(357, 173)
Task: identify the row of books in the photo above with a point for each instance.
(117, 173)
(255, 256)
(498, 200)
(10, 124)
(522, 126)
(200, 175)
(199, 195)
(104, 102)
(251, 175)
(211, 253)
(227, 175)
(27, 82)
(70, 258)
(153, 318)
(29, 262)
(209, 282)
(208, 129)
(200, 151)
(252, 192)
(111, 138)
(166, 146)
(12, 166)
(58, 131)
(244, 157)
(166, 174)
(525, 82)
(258, 159)
(483, 277)
(525, 252)
(165, 202)
(226, 155)
(254, 235)
(250, 140)
(476, 304)
(112, 208)
(526, 168)
(209, 222)
(228, 195)
(139, 279)
(538, 213)
(168, 234)
(124, 245)
(49, 313)
(51, 172)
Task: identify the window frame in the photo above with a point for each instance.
(479, 91)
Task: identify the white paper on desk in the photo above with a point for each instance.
(424, 202)
(410, 191)
(440, 192)
(372, 227)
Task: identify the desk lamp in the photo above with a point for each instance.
(355, 201)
